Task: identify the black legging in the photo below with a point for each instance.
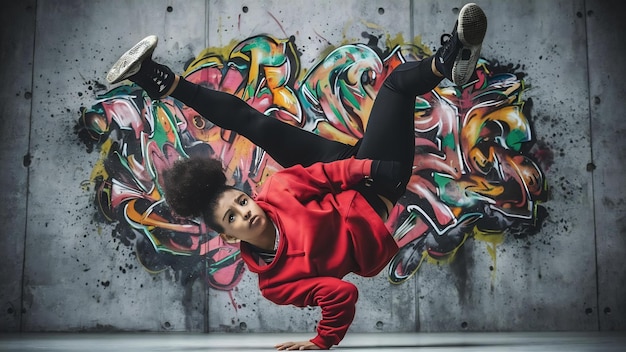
(389, 135)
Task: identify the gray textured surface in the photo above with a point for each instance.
(358, 342)
(65, 272)
(606, 31)
(15, 121)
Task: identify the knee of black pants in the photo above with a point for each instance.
(389, 179)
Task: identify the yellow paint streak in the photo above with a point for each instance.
(395, 41)
(371, 25)
(98, 169)
(492, 240)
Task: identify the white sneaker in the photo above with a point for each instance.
(458, 55)
(130, 62)
(471, 31)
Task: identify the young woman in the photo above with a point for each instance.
(322, 217)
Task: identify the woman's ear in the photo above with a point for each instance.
(229, 239)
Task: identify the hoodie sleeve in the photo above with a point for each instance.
(320, 178)
(336, 298)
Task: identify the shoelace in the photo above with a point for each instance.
(160, 77)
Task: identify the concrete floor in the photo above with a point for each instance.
(440, 342)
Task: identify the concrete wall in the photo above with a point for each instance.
(547, 252)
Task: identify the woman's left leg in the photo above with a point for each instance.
(389, 138)
(287, 144)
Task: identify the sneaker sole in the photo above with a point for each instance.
(472, 26)
(129, 63)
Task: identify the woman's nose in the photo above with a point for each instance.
(247, 215)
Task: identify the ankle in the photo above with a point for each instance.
(173, 87)
(156, 79)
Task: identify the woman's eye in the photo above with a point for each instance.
(231, 218)
(244, 201)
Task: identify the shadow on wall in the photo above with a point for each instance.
(478, 170)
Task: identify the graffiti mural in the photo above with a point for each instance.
(477, 169)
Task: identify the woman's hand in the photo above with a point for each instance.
(296, 346)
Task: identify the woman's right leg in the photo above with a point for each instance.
(285, 143)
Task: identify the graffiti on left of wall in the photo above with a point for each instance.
(477, 175)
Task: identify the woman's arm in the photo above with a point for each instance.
(336, 297)
(321, 178)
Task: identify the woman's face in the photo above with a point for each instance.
(240, 216)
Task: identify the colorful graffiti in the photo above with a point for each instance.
(477, 174)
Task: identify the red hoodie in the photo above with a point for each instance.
(326, 230)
